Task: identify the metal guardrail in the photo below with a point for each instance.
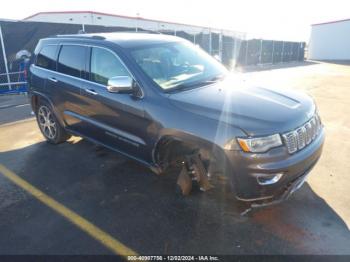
(13, 73)
(15, 82)
(11, 82)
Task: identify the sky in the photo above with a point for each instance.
(287, 20)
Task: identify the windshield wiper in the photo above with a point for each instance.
(184, 86)
(215, 78)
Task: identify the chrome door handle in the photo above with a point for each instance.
(91, 92)
(53, 79)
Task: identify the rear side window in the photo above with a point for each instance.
(105, 65)
(71, 60)
(47, 57)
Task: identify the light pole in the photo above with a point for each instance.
(5, 58)
(83, 24)
(137, 21)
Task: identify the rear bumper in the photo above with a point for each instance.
(246, 167)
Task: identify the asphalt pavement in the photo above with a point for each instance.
(128, 203)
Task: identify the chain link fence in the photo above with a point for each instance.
(260, 52)
(19, 38)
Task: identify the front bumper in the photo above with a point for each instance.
(245, 167)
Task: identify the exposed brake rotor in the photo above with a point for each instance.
(193, 169)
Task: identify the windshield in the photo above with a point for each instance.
(179, 64)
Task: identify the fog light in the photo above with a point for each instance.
(265, 179)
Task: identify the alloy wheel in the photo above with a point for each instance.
(47, 122)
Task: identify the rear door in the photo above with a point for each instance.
(43, 68)
(66, 83)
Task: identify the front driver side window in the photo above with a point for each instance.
(105, 65)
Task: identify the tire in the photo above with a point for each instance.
(49, 126)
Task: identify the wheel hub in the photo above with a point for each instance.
(46, 122)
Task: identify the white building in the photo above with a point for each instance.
(330, 41)
(103, 19)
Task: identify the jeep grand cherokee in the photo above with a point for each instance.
(163, 101)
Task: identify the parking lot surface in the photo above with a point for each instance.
(133, 206)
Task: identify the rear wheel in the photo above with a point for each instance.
(53, 132)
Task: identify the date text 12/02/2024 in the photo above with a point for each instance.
(173, 258)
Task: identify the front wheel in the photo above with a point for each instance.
(53, 132)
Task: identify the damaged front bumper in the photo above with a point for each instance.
(245, 167)
(289, 190)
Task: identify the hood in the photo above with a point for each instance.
(255, 110)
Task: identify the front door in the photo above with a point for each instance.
(116, 120)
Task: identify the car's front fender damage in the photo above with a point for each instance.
(192, 164)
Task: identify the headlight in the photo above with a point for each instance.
(257, 145)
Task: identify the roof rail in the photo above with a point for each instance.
(98, 37)
(84, 35)
(140, 30)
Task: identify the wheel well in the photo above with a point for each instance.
(170, 149)
(36, 99)
(35, 102)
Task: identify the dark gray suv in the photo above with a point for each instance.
(166, 103)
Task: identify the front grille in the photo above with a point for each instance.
(302, 136)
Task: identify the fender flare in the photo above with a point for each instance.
(34, 95)
(182, 137)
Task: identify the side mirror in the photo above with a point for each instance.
(120, 84)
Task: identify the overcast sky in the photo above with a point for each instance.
(274, 19)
